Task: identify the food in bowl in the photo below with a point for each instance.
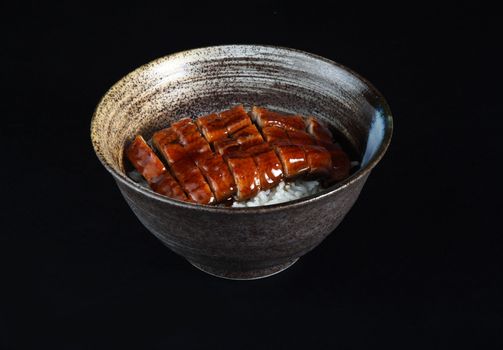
(240, 159)
(224, 241)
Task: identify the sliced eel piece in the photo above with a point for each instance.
(319, 161)
(213, 127)
(341, 164)
(241, 140)
(264, 118)
(293, 159)
(144, 159)
(226, 146)
(168, 186)
(245, 174)
(191, 138)
(218, 175)
(199, 149)
(319, 131)
(298, 137)
(235, 119)
(187, 131)
(192, 181)
(248, 136)
(231, 147)
(181, 140)
(251, 150)
(273, 134)
(153, 170)
(167, 143)
(269, 166)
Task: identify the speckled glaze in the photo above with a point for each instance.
(241, 243)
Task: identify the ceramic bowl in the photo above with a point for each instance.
(241, 243)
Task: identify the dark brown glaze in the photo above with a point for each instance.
(251, 150)
(182, 144)
(341, 164)
(192, 181)
(240, 140)
(248, 136)
(298, 137)
(245, 174)
(218, 176)
(191, 139)
(226, 146)
(289, 153)
(184, 127)
(293, 160)
(144, 159)
(168, 186)
(213, 127)
(264, 118)
(235, 119)
(146, 162)
(269, 166)
(319, 161)
(179, 141)
(273, 133)
(167, 143)
(319, 131)
(187, 131)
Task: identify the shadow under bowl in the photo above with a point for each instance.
(241, 243)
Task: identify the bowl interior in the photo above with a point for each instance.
(201, 81)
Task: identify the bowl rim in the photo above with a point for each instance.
(355, 177)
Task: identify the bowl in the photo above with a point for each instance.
(241, 243)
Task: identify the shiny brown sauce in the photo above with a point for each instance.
(233, 154)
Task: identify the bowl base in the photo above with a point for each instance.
(244, 275)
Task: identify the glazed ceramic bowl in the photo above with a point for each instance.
(241, 243)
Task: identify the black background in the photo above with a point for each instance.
(415, 264)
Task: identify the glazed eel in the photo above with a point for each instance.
(230, 155)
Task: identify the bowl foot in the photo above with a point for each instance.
(244, 275)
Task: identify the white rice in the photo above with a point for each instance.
(283, 192)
